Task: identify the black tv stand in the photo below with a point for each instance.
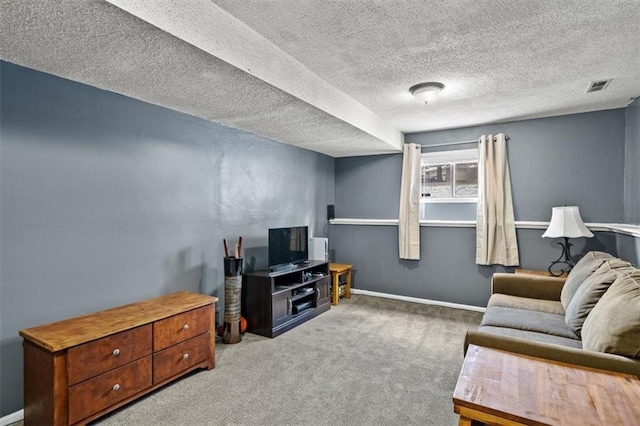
(276, 301)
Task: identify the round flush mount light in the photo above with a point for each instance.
(425, 92)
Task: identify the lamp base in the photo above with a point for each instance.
(565, 258)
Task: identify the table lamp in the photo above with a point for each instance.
(565, 223)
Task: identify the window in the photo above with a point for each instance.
(449, 176)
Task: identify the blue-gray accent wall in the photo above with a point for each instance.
(446, 270)
(368, 187)
(106, 200)
(632, 164)
(574, 159)
(568, 160)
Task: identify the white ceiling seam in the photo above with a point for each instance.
(208, 27)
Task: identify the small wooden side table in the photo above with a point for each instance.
(337, 269)
(504, 388)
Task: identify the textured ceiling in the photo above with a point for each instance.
(333, 76)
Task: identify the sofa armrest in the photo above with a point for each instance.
(553, 352)
(523, 285)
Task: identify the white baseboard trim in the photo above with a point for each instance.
(12, 418)
(418, 300)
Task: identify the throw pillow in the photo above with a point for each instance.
(580, 272)
(590, 292)
(613, 325)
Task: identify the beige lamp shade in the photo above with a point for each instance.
(566, 222)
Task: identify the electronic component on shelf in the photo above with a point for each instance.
(301, 307)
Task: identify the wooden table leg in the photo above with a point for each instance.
(348, 289)
(464, 421)
(336, 289)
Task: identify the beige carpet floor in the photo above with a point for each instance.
(368, 361)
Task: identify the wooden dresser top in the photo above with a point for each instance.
(64, 334)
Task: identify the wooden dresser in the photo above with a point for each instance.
(79, 369)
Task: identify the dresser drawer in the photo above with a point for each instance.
(172, 361)
(97, 357)
(107, 389)
(179, 328)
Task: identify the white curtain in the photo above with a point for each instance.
(495, 228)
(409, 217)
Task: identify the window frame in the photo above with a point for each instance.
(451, 158)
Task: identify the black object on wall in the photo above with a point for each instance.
(331, 214)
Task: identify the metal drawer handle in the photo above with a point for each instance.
(116, 387)
(116, 352)
(185, 327)
(185, 356)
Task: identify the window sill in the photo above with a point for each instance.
(448, 200)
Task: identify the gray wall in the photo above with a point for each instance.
(628, 248)
(368, 187)
(446, 270)
(632, 164)
(107, 200)
(574, 159)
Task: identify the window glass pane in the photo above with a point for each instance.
(466, 180)
(436, 181)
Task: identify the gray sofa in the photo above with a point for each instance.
(591, 318)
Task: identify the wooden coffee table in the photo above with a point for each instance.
(504, 388)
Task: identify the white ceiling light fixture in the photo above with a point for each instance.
(426, 92)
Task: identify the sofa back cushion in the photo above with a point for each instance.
(580, 272)
(592, 289)
(613, 325)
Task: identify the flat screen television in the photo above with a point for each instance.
(288, 246)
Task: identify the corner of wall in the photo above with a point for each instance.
(632, 163)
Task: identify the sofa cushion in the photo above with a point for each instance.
(508, 301)
(613, 325)
(592, 290)
(532, 335)
(580, 272)
(523, 319)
